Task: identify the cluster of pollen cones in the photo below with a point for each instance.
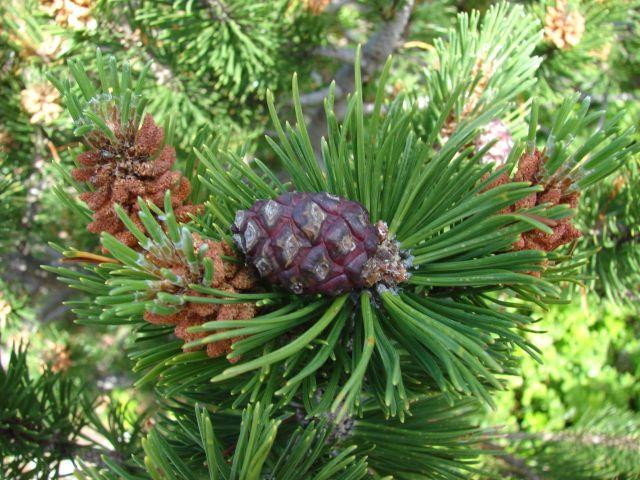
(531, 169)
(228, 276)
(136, 165)
(291, 231)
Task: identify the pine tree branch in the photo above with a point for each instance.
(216, 8)
(374, 53)
(23, 269)
(625, 442)
(162, 72)
(22, 264)
(314, 98)
(515, 464)
(344, 54)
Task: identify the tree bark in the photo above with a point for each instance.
(374, 53)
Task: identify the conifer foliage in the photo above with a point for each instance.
(126, 156)
(42, 423)
(340, 312)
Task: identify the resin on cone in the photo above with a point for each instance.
(318, 243)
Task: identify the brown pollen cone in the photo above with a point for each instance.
(563, 26)
(530, 169)
(316, 7)
(228, 276)
(136, 164)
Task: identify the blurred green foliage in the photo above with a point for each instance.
(591, 347)
(591, 362)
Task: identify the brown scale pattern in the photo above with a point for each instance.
(530, 169)
(137, 164)
(228, 276)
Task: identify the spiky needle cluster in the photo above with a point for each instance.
(228, 276)
(177, 264)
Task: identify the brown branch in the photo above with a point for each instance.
(336, 5)
(21, 264)
(374, 53)
(519, 466)
(216, 9)
(515, 464)
(344, 54)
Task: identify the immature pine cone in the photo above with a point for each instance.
(5, 140)
(72, 13)
(317, 243)
(228, 276)
(499, 151)
(58, 357)
(135, 165)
